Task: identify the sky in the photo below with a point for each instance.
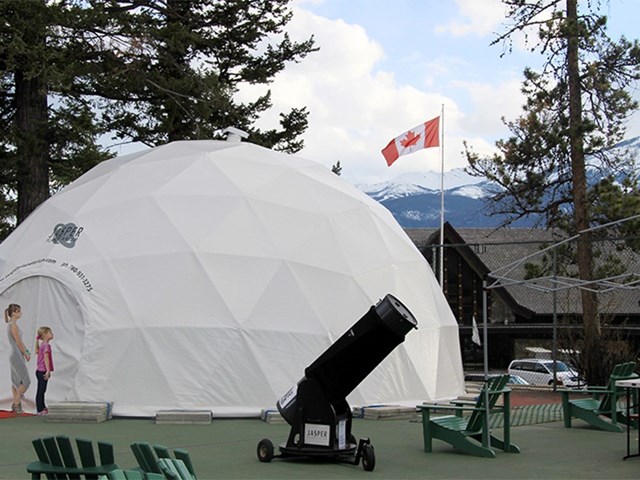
(385, 66)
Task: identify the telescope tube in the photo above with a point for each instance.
(341, 368)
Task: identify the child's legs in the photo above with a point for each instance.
(42, 388)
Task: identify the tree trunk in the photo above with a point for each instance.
(179, 123)
(32, 148)
(31, 129)
(591, 350)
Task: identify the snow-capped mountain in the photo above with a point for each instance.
(417, 183)
(414, 199)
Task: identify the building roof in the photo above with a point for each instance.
(490, 250)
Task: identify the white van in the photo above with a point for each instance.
(540, 372)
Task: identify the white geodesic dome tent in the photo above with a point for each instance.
(208, 275)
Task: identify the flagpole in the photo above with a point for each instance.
(485, 360)
(441, 272)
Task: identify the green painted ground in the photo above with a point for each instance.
(226, 449)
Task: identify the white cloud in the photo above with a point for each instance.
(478, 18)
(488, 18)
(490, 103)
(633, 124)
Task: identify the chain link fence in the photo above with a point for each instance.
(528, 292)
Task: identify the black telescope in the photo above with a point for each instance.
(316, 407)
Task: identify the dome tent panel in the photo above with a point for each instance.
(251, 171)
(331, 312)
(239, 281)
(134, 180)
(359, 230)
(170, 290)
(312, 196)
(213, 181)
(197, 232)
(283, 306)
(241, 232)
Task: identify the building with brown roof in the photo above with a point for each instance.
(525, 300)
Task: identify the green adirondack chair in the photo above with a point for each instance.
(131, 475)
(601, 410)
(174, 469)
(469, 432)
(56, 459)
(157, 459)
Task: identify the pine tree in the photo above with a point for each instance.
(182, 64)
(576, 108)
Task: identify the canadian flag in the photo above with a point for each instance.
(424, 135)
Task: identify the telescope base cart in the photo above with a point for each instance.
(352, 454)
(320, 429)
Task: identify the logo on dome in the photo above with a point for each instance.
(65, 234)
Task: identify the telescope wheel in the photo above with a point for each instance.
(368, 458)
(265, 450)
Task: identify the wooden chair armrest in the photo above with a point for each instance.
(442, 407)
(467, 403)
(126, 475)
(459, 408)
(565, 391)
(47, 468)
(463, 402)
(589, 390)
(598, 391)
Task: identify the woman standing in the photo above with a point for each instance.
(19, 357)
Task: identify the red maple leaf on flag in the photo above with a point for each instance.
(410, 139)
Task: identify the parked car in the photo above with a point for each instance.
(540, 372)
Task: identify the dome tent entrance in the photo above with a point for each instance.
(209, 274)
(53, 305)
